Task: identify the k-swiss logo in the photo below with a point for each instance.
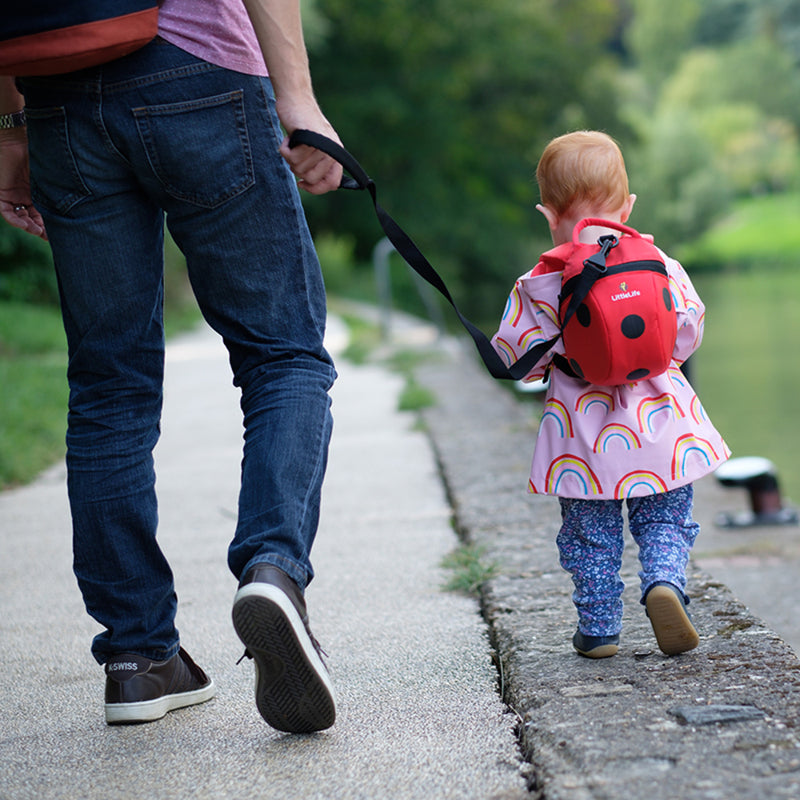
(119, 666)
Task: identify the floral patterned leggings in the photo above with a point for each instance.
(590, 545)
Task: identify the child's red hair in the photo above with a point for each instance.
(583, 168)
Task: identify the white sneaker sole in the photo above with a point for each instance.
(151, 710)
(292, 687)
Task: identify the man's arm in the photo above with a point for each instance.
(279, 29)
(16, 206)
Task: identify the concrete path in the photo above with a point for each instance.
(419, 713)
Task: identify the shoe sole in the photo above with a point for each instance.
(293, 691)
(152, 710)
(602, 651)
(671, 624)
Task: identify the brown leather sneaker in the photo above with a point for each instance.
(141, 690)
(293, 689)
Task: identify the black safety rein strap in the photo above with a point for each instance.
(416, 260)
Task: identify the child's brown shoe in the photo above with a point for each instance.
(672, 625)
(595, 646)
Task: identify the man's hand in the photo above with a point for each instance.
(16, 206)
(279, 29)
(316, 172)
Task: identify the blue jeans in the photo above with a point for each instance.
(590, 545)
(115, 150)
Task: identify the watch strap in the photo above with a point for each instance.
(13, 120)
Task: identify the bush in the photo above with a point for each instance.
(26, 268)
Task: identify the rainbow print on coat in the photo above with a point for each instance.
(616, 434)
(555, 410)
(651, 409)
(691, 446)
(505, 350)
(595, 399)
(513, 310)
(611, 442)
(550, 312)
(530, 337)
(569, 468)
(638, 483)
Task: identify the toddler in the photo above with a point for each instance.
(642, 442)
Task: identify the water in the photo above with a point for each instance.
(747, 372)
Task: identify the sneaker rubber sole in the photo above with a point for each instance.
(292, 687)
(595, 646)
(601, 651)
(674, 631)
(152, 710)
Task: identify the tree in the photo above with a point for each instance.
(659, 34)
(448, 103)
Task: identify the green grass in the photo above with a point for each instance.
(760, 231)
(33, 377)
(415, 396)
(364, 338)
(470, 569)
(33, 402)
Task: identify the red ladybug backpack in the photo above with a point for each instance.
(617, 316)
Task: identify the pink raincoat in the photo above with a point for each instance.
(611, 442)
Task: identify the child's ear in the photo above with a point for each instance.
(549, 215)
(627, 208)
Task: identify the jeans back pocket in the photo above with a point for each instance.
(56, 182)
(199, 149)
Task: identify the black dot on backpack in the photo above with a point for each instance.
(632, 326)
(667, 295)
(638, 374)
(583, 315)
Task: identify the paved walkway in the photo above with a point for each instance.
(419, 713)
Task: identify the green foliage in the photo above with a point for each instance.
(659, 34)
(33, 402)
(723, 21)
(447, 104)
(26, 268)
(723, 124)
(760, 233)
(680, 189)
(450, 115)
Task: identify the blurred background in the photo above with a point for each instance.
(448, 104)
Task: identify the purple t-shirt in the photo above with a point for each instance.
(218, 31)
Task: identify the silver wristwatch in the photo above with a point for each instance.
(15, 120)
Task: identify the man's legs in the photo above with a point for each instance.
(163, 130)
